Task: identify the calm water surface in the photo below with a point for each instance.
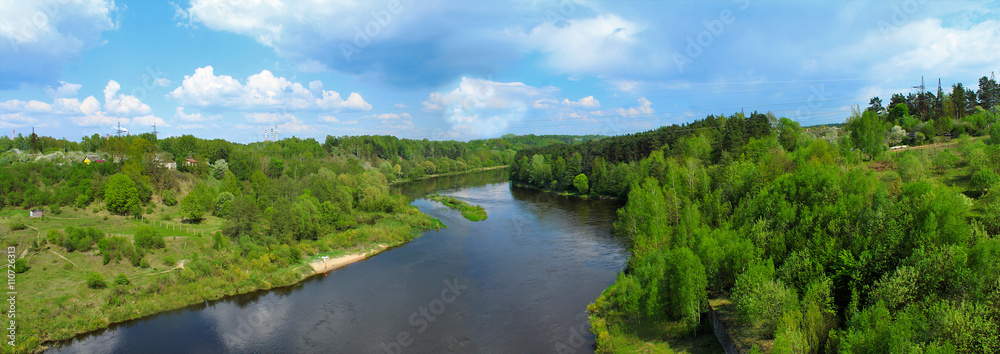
(516, 282)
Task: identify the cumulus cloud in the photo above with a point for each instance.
(194, 117)
(261, 92)
(161, 82)
(65, 89)
(364, 37)
(645, 108)
(117, 108)
(38, 38)
(929, 46)
(591, 45)
(479, 108)
(121, 104)
(390, 116)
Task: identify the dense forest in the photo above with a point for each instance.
(147, 225)
(813, 240)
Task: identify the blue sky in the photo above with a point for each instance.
(467, 69)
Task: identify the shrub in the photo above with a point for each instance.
(55, 209)
(121, 279)
(17, 223)
(146, 237)
(115, 248)
(95, 280)
(169, 261)
(21, 266)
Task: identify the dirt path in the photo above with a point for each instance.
(67, 259)
(179, 266)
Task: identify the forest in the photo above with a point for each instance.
(814, 239)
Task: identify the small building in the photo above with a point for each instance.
(35, 213)
(170, 165)
(191, 162)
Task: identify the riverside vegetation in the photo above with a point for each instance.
(810, 240)
(131, 237)
(471, 212)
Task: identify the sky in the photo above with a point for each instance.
(463, 70)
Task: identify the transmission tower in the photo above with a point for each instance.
(922, 96)
(155, 133)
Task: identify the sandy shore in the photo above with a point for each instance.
(326, 265)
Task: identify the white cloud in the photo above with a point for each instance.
(65, 89)
(161, 82)
(328, 119)
(401, 106)
(644, 108)
(262, 91)
(925, 46)
(149, 120)
(38, 37)
(121, 104)
(194, 117)
(592, 45)
(480, 108)
(118, 108)
(389, 116)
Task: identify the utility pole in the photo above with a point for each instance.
(154, 131)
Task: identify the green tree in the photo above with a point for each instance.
(219, 169)
(580, 183)
(868, 133)
(275, 167)
(121, 195)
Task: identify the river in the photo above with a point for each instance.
(519, 281)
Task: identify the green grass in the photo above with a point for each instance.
(471, 212)
(54, 302)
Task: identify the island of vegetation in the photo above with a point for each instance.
(882, 235)
(471, 212)
(136, 225)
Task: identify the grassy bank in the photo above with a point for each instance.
(55, 302)
(471, 212)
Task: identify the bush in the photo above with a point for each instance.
(146, 237)
(21, 266)
(169, 261)
(115, 248)
(121, 279)
(95, 280)
(78, 239)
(54, 209)
(16, 223)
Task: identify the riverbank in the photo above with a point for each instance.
(481, 169)
(59, 306)
(325, 264)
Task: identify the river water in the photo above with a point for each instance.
(516, 282)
